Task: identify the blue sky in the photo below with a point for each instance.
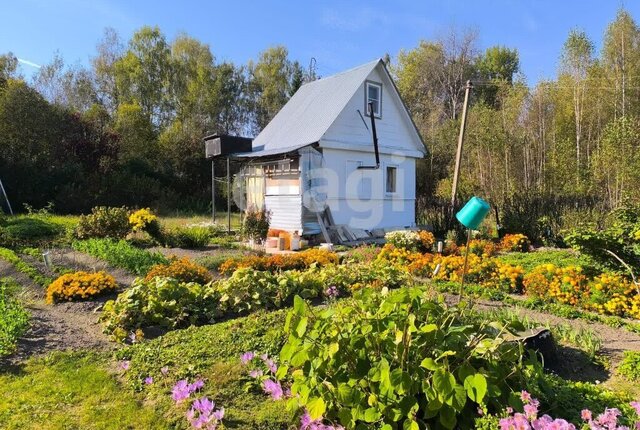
(339, 34)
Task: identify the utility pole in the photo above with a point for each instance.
(463, 123)
(228, 195)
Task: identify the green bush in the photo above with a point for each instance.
(163, 302)
(29, 230)
(14, 319)
(249, 289)
(389, 361)
(256, 224)
(630, 366)
(121, 254)
(187, 237)
(621, 236)
(104, 222)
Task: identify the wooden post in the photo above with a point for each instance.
(228, 195)
(463, 123)
(213, 190)
(464, 268)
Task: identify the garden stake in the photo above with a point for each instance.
(471, 216)
(464, 267)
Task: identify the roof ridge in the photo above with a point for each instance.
(351, 70)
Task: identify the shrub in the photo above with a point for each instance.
(383, 360)
(405, 239)
(121, 254)
(21, 231)
(183, 270)
(256, 224)
(427, 240)
(79, 286)
(515, 243)
(630, 366)
(354, 277)
(621, 236)
(142, 219)
(299, 260)
(14, 319)
(164, 302)
(104, 222)
(480, 247)
(248, 289)
(187, 237)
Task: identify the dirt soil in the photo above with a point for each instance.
(64, 326)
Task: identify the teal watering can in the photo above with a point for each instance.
(472, 214)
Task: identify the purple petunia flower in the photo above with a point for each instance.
(203, 415)
(273, 388)
(332, 292)
(148, 380)
(124, 365)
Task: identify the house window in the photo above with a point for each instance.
(391, 179)
(373, 94)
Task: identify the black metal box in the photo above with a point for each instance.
(221, 144)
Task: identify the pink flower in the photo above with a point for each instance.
(586, 415)
(273, 388)
(525, 396)
(180, 391)
(256, 373)
(247, 357)
(124, 365)
(148, 380)
(531, 411)
(636, 406)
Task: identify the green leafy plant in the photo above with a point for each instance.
(630, 366)
(397, 361)
(256, 224)
(25, 231)
(163, 302)
(23, 267)
(14, 319)
(121, 254)
(103, 222)
(187, 237)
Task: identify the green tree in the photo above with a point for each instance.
(8, 67)
(109, 51)
(270, 84)
(143, 75)
(496, 68)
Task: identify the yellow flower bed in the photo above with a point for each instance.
(277, 262)
(427, 239)
(79, 286)
(515, 243)
(141, 219)
(182, 269)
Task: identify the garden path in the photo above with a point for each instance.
(64, 326)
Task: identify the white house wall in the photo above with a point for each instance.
(286, 212)
(394, 129)
(357, 197)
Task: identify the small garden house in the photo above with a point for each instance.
(323, 154)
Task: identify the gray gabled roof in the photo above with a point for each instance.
(311, 111)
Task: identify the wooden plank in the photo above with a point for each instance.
(325, 233)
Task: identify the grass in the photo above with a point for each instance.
(529, 260)
(212, 353)
(121, 254)
(14, 319)
(71, 391)
(182, 220)
(23, 267)
(630, 366)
